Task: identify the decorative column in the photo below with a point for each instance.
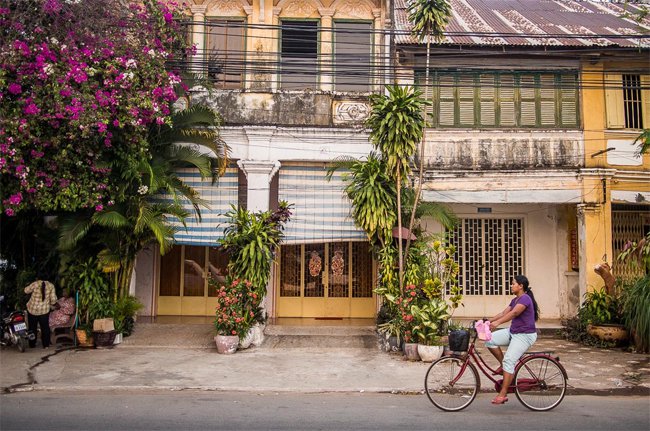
(326, 48)
(198, 37)
(377, 53)
(259, 175)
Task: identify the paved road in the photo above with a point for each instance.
(206, 410)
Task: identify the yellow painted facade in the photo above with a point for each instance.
(610, 165)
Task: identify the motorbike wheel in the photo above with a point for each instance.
(22, 344)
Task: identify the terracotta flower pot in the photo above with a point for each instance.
(616, 333)
(226, 344)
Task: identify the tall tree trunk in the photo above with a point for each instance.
(399, 230)
(422, 147)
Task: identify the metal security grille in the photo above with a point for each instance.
(632, 101)
(626, 226)
(489, 253)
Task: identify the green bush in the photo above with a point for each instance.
(636, 312)
(599, 308)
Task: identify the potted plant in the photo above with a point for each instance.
(124, 312)
(429, 318)
(600, 313)
(90, 287)
(237, 307)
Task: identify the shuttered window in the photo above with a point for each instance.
(225, 53)
(627, 99)
(503, 99)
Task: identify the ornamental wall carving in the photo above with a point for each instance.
(227, 7)
(299, 8)
(360, 9)
(348, 111)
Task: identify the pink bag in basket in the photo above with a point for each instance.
(483, 330)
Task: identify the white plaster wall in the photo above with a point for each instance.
(145, 281)
(545, 257)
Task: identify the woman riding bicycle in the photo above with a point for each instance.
(523, 311)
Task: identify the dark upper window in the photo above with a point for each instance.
(502, 99)
(225, 52)
(352, 56)
(632, 101)
(299, 55)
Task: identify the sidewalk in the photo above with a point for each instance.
(177, 357)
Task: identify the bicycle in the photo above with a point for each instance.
(452, 382)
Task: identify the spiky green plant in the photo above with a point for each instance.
(372, 193)
(428, 19)
(396, 124)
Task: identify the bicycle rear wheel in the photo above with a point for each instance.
(447, 388)
(540, 383)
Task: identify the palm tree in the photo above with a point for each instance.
(428, 19)
(396, 124)
(372, 193)
(122, 230)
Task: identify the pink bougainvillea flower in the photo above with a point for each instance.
(16, 199)
(31, 109)
(14, 88)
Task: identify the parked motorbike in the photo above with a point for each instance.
(14, 328)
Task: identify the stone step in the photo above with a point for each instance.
(321, 330)
(320, 341)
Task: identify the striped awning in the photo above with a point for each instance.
(321, 211)
(219, 196)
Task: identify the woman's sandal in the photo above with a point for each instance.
(500, 400)
(498, 372)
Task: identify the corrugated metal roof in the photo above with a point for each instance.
(536, 23)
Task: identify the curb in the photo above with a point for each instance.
(26, 387)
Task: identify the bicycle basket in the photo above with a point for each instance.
(459, 340)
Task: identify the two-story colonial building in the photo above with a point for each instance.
(535, 107)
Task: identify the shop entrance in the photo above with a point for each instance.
(326, 280)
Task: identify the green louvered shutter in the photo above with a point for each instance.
(446, 100)
(506, 96)
(527, 110)
(487, 100)
(569, 100)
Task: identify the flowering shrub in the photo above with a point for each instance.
(404, 308)
(80, 84)
(238, 307)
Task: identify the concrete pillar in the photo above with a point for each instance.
(198, 37)
(326, 50)
(259, 175)
(594, 226)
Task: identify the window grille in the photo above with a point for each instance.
(489, 253)
(632, 101)
(627, 226)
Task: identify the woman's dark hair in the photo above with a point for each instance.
(42, 290)
(521, 279)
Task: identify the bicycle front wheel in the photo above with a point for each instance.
(450, 387)
(540, 383)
